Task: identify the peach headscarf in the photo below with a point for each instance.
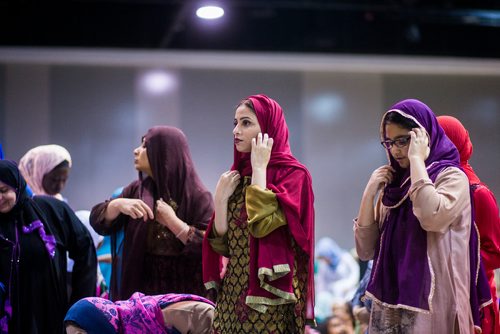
(39, 161)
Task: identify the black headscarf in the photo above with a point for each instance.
(25, 211)
(35, 236)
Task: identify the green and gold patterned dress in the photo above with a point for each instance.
(232, 314)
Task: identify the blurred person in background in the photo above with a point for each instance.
(486, 217)
(340, 322)
(101, 287)
(104, 252)
(46, 169)
(336, 279)
(361, 306)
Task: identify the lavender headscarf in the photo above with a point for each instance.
(401, 272)
(39, 161)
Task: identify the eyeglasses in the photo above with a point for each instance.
(399, 142)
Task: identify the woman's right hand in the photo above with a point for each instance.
(133, 207)
(226, 185)
(379, 178)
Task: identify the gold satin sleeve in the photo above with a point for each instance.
(218, 243)
(264, 213)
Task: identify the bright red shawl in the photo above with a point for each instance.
(486, 216)
(460, 138)
(292, 184)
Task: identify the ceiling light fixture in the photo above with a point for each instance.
(158, 82)
(210, 12)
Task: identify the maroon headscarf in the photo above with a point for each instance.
(174, 175)
(174, 179)
(292, 184)
(460, 137)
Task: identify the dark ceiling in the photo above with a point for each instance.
(397, 27)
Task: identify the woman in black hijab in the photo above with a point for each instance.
(35, 234)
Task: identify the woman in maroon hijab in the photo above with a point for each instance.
(163, 214)
(264, 225)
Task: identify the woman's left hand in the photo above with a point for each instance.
(165, 214)
(261, 151)
(419, 144)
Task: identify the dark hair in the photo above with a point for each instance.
(72, 323)
(396, 118)
(64, 163)
(246, 102)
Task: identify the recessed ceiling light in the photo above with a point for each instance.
(210, 12)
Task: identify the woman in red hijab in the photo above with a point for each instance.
(264, 225)
(163, 215)
(487, 217)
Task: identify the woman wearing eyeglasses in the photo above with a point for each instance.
(415, 221)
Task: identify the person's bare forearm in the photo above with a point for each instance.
(366, 214)
(417, 169)
(259, 177)
(221, 217)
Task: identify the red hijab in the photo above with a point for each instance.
(292, 184)
(460, 137)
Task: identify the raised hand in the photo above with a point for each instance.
(226, 185)
(261, 151)
(379, 178)
(164, 212)
(166, 216)
(419, 144)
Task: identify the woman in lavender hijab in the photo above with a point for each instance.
(415, 221)
(46, 169)
(35, 234)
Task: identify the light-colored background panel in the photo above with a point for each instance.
(209, 99)
(157, 98)
(95, 103)
(341, 116)
(27, 107)
(475, 100)
(93, 114)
